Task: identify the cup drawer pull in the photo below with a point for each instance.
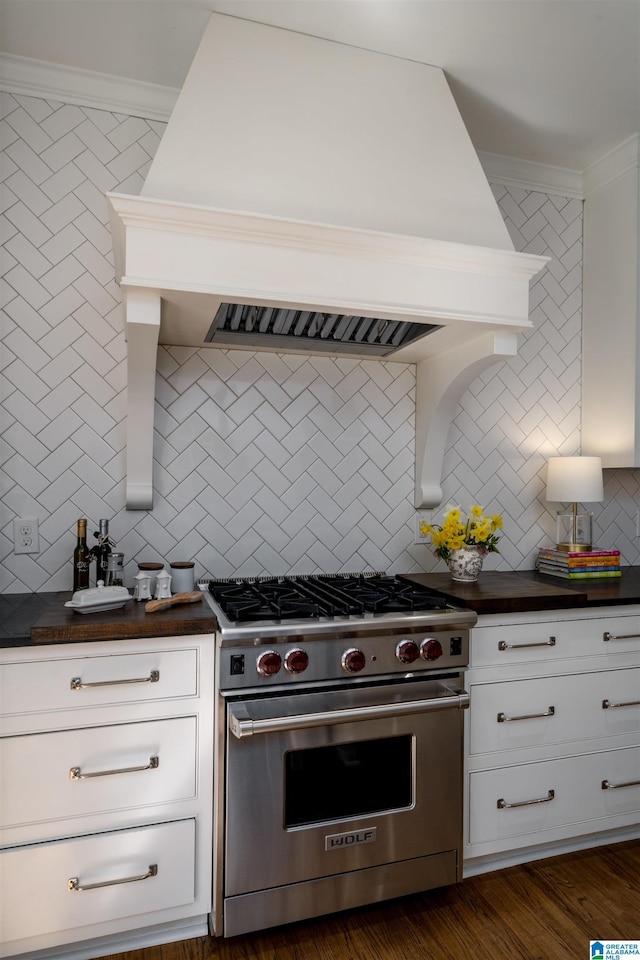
(503, 805)
(77, 684)
(74, 886)
(75, 773)
(503, 645)
(503, 718)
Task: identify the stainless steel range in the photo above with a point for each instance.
(340, 719)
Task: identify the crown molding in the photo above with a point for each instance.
(614, 165)
(526, 175)
(86, 88)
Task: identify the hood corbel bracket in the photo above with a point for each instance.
(142, 329)
(440, 383)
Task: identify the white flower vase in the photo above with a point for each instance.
(465, 564)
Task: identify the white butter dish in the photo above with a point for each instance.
(98, 599)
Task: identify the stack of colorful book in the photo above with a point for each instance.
(592, 564)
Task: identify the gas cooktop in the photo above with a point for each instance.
(325, 602)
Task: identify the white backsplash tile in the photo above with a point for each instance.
(264, 463)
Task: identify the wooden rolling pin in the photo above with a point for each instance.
(192, 597)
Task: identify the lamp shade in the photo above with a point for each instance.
(575, 480)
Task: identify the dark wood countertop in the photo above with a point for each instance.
(39, 618)
(525, 590)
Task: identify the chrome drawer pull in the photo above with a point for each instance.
(75, 774)
(607, 705)
(503, 805)
(620, 636)
(503, 645)
(606, 785)
(503, 718)
(73, 884)
(77, 684)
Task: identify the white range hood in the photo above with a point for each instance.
(321, 198)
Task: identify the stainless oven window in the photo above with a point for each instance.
(347, 780)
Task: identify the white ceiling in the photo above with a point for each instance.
(546, 81)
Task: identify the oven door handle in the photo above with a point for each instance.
(242, 725)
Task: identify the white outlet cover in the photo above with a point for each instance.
(26, 537)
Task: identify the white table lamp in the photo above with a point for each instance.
(574, 480)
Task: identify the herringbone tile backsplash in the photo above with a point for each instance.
(264, 463)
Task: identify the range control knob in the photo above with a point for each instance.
(353, 660)
(296, 661)
(430, 649)
(268, 663)
(407, 651)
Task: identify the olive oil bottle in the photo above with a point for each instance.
(81, 559)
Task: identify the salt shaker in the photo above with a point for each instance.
(150, 570)
(163, 585)
(142, 588)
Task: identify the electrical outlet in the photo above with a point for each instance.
(637, 523)
(418, 535)
(26, 537)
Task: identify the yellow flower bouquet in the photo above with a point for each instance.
(458, 530)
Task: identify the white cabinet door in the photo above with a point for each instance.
(55, 776)
(70, 884)
(529, 799)
(547, 641)
(521, 713)
(34, 687)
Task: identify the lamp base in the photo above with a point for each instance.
(574, 547)
(574, 532)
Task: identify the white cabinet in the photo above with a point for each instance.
(95, 770)
(77, 883)
(552, 735)
(535, 798)
(106, 770)
(77, 682)
(529, 713)
(611, 308)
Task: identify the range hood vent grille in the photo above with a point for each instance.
(238, 324)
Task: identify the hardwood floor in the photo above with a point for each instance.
(546, 910)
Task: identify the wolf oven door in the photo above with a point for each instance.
(325, 783)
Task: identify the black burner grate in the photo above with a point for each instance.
(311, 597)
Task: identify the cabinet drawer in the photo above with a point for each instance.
(34, 880)
(553, 793)
(114, 767)
(545, 640)
(44, 685)
(523, 713)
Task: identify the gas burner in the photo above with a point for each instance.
(285, 598)
(339, 597)
(382, 594)
(242, 610)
